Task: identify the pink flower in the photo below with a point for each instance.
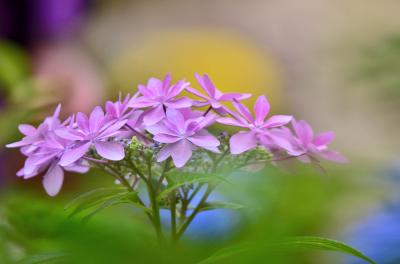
(258, 126)
(159, 95)
(183, 135)
(33, 135)
(47, 158)
(213, 96)
(311, 146)
(93, 131)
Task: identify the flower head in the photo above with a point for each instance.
(257, 126)
(311, 146)
(183, 135)
(94, 130)
(213, 96)
(159, 95)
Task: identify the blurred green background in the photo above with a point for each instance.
(334, 63)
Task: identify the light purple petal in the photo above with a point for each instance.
(111, 130)
(18, 144)
(181, 152)
(210, 88)
(72, 155)
(195, 92)
(332, 156)
(27, 130)
(243, 110)
(230, 122)
(182, 102)
(304, 131)
(153, 116)
(68, 134)
(261, 109)
(53, 180)
(177, 88)
(160, 128)
(324, 138)
(165, 152)
(277, 121)
(156, 86)
(82, 122)
(110, 150)
(231, 96)
(204, 140)
(242, 141)
(175, 118)
(141, 102)
(95, 119)
(164, 138)
(144, 91)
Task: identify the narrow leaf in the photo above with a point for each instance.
(220, 205)
(43, 258)
(290, 244)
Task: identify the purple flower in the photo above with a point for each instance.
(311, 146)
(258, 126)
(33, 135)
(47, 158)
(93, 131)
(183, 135)
(159, 95)
(213, 96)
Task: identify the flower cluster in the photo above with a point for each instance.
(157, 115)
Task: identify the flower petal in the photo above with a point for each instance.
(68, 134)
(95, 119)
(243, 110)
(277, 121)
(53, 180)
(324, 138)
(261, 109)
(181, 152)
(165, 138)
(230, 122)
(195, 92)
(110, 150)
(72, 155)
(182, 102)
(176, 118)
(304, 131)
(332, 156)
(141, 102)
(231, 96)
(242, 141)
(27, 130)
(153, 116)
(204, 140)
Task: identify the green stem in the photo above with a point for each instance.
(173, 217)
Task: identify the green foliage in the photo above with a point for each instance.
(295, 243)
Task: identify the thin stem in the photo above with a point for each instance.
(173, 216)
(195, 212)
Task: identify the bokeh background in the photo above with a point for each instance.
(335, 63)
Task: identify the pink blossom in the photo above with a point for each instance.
(257, 127)
(213, 96)
(93, 131)
(309, 145)
(159, 95)
(183, 135)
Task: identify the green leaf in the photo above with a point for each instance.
(93, 198)
(290, 244)
(120, 199)
(220, 205)
(53, 257)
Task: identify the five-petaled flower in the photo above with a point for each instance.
(213, 96)
(182, 135)
(158, 96)
(257, 128)
(93, 131)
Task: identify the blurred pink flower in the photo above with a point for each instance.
(182, 136)
(311, 146)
